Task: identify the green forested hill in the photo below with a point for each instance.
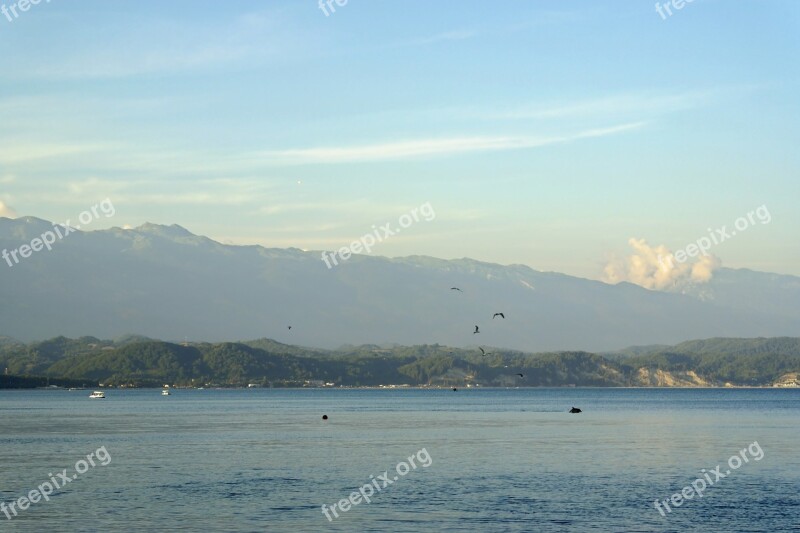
(144, 362)
(761, 345)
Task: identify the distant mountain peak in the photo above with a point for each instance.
(173, 230)
(167, 282)
(23, 228)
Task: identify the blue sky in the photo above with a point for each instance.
(542, 133)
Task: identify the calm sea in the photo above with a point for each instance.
(497, 459)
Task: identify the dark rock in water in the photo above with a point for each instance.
(455, 389)
(324, 417)
(575, 410)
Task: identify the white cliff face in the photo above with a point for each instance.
(791, 380)
(659, 378)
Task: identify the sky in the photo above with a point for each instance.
(571, 136)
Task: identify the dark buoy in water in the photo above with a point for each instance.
(324, 417)
(455, 389)
(575, 410)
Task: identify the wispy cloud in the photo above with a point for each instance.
(317, 207)
(363, 206)
(215, 192)
(455, 35)
(184, 45)
(429, 147)
(149, 192)
(641, 103)
(529, 21)
(108, 64)
(11, 152)
(95, 185)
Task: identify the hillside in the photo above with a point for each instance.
(166, 283)
(130, 362)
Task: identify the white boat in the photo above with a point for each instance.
(98, 394)
(165, 392)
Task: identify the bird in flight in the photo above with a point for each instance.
(476, 330)
(500, 315)
(456, 289)
(484, 352)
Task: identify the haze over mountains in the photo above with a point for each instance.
(165, 282)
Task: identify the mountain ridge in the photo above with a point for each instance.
(165, 282)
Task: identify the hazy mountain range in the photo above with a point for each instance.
(165, 282)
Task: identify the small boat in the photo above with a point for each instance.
(98, 394)
(165, 392)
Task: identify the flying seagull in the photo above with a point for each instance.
(456, 289)
(476, 330)
(484, 352)
(500, 315)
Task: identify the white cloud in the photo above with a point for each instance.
(655, 268)
(6, 211)
(428, 147)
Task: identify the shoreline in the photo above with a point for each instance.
(397, 388)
